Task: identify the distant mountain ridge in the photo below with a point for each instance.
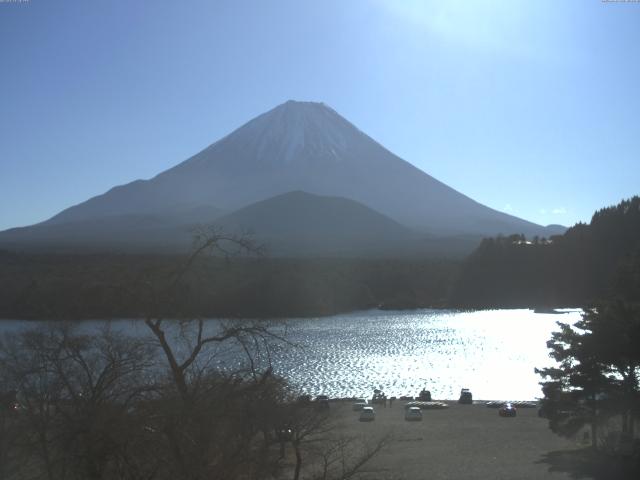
(302, 223)
(295, 147)
(292, 223)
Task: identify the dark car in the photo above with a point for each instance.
(465, 396)
(507, 410)
(425, 395)
(322, 402)
(379, 397)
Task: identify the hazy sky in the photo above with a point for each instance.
(529, 107)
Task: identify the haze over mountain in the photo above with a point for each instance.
(299, 223)
(161, 232)
(297, 146)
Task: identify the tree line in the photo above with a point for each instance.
(47, 286)
(589, 262)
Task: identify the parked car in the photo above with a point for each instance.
(367, 414)
(359, 404)
(413, 414)
(425, 395)
(507, 410)
(465, 396)
(322, 402)
(378, 397)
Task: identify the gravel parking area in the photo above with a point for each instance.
(460, 442)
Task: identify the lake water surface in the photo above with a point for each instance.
(491, 352)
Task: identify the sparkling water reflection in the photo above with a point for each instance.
(491, 352)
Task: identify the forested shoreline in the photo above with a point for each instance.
(126, 286)
(587, 263)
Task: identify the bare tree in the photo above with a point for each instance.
(344, 457)
(74, 395)
(320, 449)
(206, 241)
(211, 422)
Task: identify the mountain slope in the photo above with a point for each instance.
(305, 146)
(297, 146)
(299, 223)
(166, 231)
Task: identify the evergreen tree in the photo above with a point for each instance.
(599, 367)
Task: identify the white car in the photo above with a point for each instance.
(359, 404)
(413, 414)
(367, 414)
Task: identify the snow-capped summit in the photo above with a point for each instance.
(293, 131)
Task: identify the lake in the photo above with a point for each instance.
(491, 352)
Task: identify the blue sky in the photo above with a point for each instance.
(530, 107)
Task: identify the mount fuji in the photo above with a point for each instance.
(295, 147)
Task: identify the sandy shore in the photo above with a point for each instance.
(461, 442)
